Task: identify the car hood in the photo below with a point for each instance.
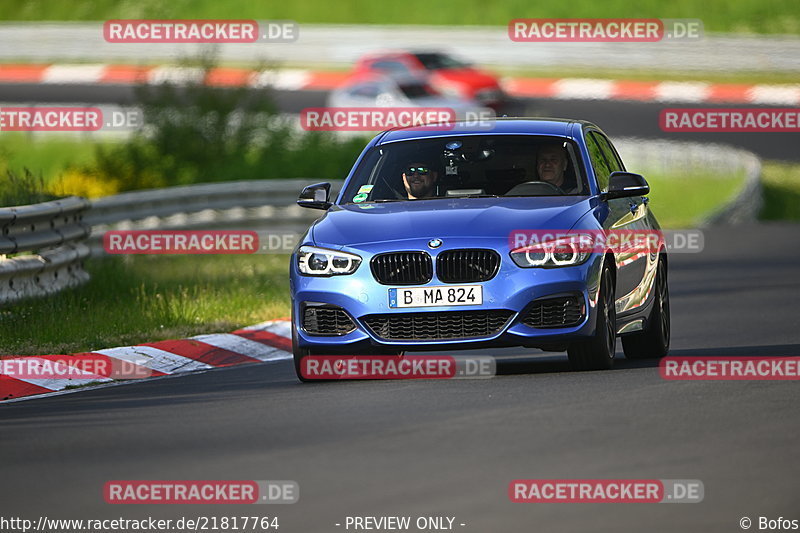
(355, 224)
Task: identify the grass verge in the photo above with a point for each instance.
(22, 189)
(654, 75)
(140, 299)
(46, 155)
(781, 183)
(683, 202)
(773, 16)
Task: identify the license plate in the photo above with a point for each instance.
(449, 295)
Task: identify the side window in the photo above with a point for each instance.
(390, 66)
(602, 169)
(608, 150)
(369, 90)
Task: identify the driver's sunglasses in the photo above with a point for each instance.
(422, 171)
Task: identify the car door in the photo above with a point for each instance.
(625, 214)
(391, 67)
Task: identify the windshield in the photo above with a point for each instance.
(437, 61)
(470, 166)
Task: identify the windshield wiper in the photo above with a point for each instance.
(386, 200)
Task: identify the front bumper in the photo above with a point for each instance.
(513, 288)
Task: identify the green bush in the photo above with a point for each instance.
(781, 182)
(197, 133)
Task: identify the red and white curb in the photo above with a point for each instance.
(268, 341)
(654, 91)
(298, 79)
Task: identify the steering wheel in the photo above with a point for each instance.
(535, 188)
(555, 188)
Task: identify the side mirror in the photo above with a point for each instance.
(315, 196)
(625, 185)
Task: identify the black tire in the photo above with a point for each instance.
(298, 355)
(653, 341)
(597, 353)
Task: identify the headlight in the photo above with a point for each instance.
(565, 251)
(313, 261)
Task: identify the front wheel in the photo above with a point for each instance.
(597, 353)
(298, 354)
(653, 341)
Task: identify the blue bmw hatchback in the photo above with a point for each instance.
(468, 238)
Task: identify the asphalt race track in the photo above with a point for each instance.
(450, 448)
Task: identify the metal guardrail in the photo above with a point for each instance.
(47, 237)
(244, 204)
(279, 195)
(746, 206)
(684, 158)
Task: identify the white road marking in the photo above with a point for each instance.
(680, 91)
(235, 343)
(154, 359)
(287, 80)
(775, 94)
(56, 384)
(178, 75)
(282, 328)
(73, 74)
(580, 88)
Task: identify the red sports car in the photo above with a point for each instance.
(449, 75)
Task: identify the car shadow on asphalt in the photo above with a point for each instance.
(553, 363)
(771, 350)
(255, 380)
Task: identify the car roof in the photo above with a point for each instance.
(562, 127)
(386, 54)
(381, 54)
